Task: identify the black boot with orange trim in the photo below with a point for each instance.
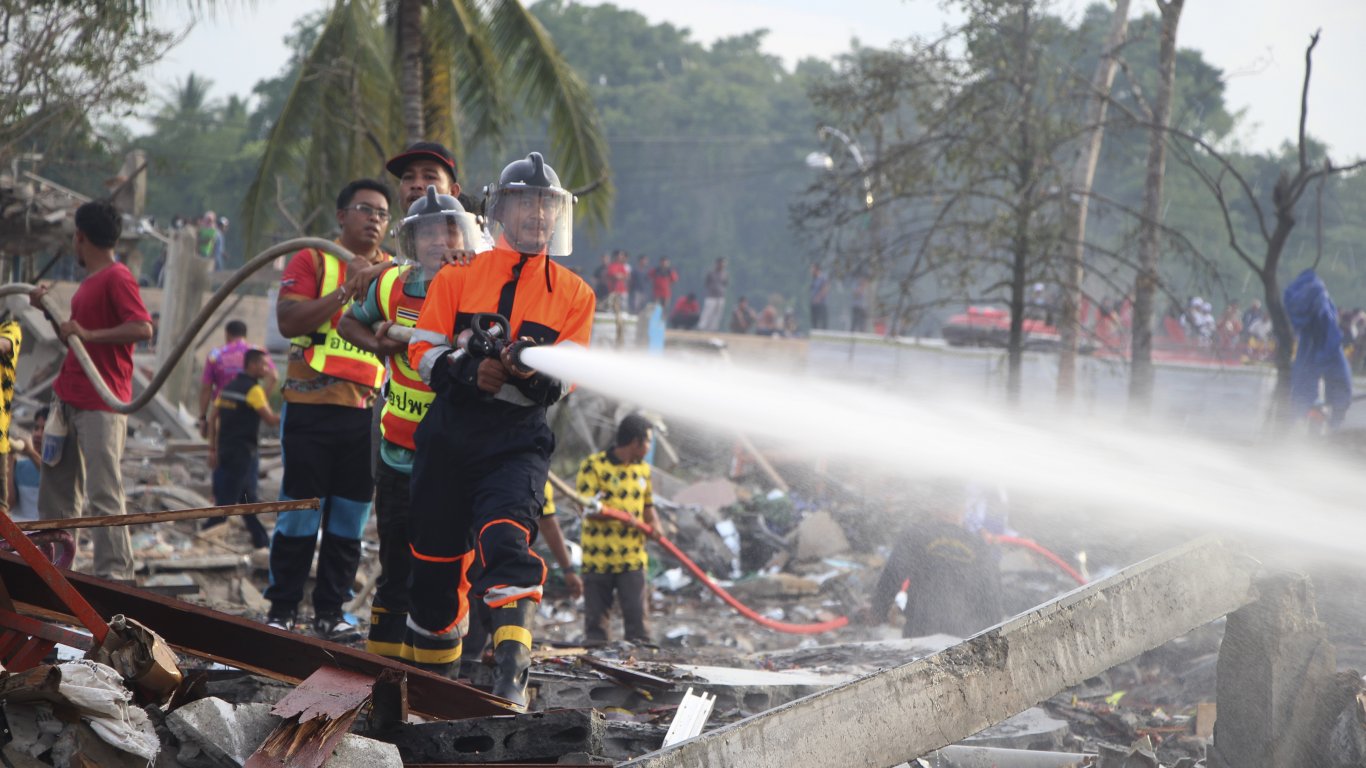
(512, 651)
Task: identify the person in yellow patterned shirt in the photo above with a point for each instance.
(614, 556)
(10, 340)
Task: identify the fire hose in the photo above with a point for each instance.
(45, 552)
(1040, 550)
(596, 507)
(187, 338)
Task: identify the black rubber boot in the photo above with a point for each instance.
(438, 655)
(512, 651)
(450, 670)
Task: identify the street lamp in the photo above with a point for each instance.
(823, 161)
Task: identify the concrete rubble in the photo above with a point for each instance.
(1114, 689)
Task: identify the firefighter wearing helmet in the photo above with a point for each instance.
(437, 230)
(483, 448)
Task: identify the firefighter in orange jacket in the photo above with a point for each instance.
(483, 449)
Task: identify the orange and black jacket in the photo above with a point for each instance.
(541, 300)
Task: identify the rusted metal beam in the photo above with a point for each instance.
(630, 677)
(53, 584)
(140, 518)
(45, 630)
(317, 715)
(245, 644)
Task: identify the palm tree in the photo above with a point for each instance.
(459, 64)
(188, 99)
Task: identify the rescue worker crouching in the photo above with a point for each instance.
(436, 230)
(483, 450)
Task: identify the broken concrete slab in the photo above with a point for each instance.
(711, 495)
(533, 737)
(746, 691)
(356, 751)
(215, 734)
(1031, 729)
(940, 700)
(995, 757)
(818, 536)
(1277, 698)
(625, 739)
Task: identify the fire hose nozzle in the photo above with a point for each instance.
(515, 350)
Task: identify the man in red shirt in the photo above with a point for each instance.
(107, 314)
(662, 279)
(619, 278)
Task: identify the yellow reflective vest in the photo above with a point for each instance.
(326, 351)
(408, 398)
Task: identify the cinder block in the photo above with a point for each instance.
(537, 736)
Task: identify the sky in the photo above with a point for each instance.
(1259, 45)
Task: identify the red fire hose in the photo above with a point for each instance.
(744, 610)
(597, 508)
(1038, 549)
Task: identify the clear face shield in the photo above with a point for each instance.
(423, 240)
(533, 219)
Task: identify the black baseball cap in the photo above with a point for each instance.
(422, 150)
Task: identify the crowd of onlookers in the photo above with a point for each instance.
(1235, 331)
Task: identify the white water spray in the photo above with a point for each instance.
(1281, 495)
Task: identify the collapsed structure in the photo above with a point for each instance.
(246, 694)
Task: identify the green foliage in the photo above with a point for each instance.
(65, 65)
(707, 146)
(344, 114)
(954, 179)
(339, 122)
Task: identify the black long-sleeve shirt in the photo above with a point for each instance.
(955, 580)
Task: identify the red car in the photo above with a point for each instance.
(990, 327)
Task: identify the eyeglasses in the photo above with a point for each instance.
(368, 211)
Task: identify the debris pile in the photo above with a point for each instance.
(242, 694)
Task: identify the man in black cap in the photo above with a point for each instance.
(423, 164)
(420, 165)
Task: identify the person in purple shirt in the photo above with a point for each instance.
(222, 366)
(224, 363)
